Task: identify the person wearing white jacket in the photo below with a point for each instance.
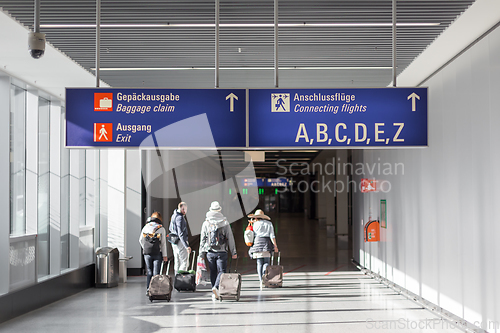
(215, 240)
(264, 241)
(154, 246)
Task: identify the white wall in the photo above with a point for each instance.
(116, 199)
(442, 213)
(133, 199)
(5, 178)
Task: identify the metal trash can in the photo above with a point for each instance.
(107, 269)
(123, 269)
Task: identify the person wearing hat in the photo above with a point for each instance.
(215, 240)
(264, 241)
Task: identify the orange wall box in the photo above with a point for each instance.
(372, 231)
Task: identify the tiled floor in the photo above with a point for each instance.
(322, 292)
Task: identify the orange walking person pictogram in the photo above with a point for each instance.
(103, 132)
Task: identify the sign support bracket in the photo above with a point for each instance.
(394, 43)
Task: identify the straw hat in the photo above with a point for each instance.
(259, 214)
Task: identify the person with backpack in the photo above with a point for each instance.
(154, 246)
(215, 240)
(181, 248)
(264, 241)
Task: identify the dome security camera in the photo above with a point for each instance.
(36, 44)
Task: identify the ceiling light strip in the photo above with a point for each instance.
(236, 68)
(239, 25)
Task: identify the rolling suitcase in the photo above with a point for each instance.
(160, 286)
(230, 284)
(273, 277)
(186, 280)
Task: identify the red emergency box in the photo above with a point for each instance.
(372, 231)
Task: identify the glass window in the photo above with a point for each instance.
(17, 161)
(43, 188)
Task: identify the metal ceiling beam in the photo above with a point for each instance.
(394, 43)
(97, 41)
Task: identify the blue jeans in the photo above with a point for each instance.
(262, 264)
(153, 265)
(217, 262)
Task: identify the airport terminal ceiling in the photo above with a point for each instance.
(171, 44)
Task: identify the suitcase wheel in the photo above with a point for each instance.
(151, 300)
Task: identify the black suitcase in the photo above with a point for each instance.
(186, 281)
(160, 286)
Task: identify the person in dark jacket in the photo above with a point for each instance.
(178, 226)
(264, 241)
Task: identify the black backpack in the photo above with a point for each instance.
(152, 243)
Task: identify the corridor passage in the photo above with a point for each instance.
(322, 292)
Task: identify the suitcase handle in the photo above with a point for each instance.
(162, 271)
(192, 262)
(279, 258)
(231, 262)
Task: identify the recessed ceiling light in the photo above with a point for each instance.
(234, 68)
(240, 25)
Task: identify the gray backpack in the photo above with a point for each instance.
(216, 236)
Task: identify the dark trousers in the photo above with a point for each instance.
(217, 262)
(153, 265)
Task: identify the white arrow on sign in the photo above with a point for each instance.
(413, 103)
(231, 98)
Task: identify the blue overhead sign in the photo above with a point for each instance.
(217, 118)
(322, 118)
(184, 118)
(264, 182)
(277, 182)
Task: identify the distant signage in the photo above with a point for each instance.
(277, 182)
(368, 185)
(383, 213)
(264, 182)
(322, 118)
(199, 118)
(247, 182)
